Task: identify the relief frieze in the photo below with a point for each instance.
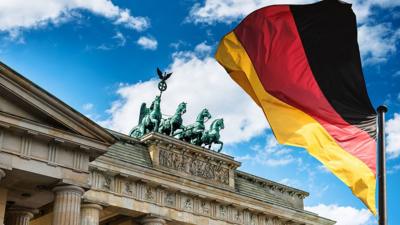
(194, 166)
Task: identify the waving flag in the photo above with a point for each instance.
(301, 64)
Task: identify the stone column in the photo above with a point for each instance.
(67, 205)
(18, 216)
(3, 199)
(153, 220)
(90, 214)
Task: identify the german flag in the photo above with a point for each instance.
(301, 64)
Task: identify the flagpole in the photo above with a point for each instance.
(382, 165)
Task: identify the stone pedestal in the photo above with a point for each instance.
(90, 214)
(18, 216)
(67, 205)
(153, 220)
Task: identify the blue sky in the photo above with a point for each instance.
(99, 56)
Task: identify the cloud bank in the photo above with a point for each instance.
(343, 215)
(21, 14)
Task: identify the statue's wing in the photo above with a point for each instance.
(168, 75)
(143, 111)
(160, 74)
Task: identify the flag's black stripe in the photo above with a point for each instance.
(328, 31)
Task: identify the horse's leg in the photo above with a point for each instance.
(171, 127)
(161, 127)
(141, 130)
(220, 147)
(155, 126)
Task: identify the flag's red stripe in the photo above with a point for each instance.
(273, 44)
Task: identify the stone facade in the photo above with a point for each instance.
(59, 168)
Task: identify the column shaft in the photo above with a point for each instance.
(67, 205)
(90, 214)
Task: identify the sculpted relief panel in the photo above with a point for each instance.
(194, 166)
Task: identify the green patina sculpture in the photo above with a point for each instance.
(150, 120)
(192, 133)
(212, 136)
(170, 125)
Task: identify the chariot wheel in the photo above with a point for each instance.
(162, 86)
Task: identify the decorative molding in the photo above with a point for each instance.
(52, 153)
(77, 160)
(271, 187)
(184, 201)
(25, 148)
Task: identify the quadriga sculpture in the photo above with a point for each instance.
(192, 133)
(212, 136)
(149, 119)
(170, 125)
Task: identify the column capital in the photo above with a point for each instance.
(68, 188)
(91, 206)
(90, 213)
(19, 215)
(22, 211)
(153, 220)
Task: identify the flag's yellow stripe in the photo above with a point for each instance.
(292, 126)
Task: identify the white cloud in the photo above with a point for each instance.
(200, 82)
(393, 136)
(393, 169)
(147, 43)
(136, 23)
(88, 106)
(227, 11)
(203, 48)
(21, 14)
(177, 45)
(344, 215)
(290, 182)
(120, 38)
(377, 42)
(364, 8)
(272, 154)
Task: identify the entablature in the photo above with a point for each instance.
(152, 191)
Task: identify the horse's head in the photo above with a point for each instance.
(205, 114)
(217, 124)
(156, 101)
(181, 108)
